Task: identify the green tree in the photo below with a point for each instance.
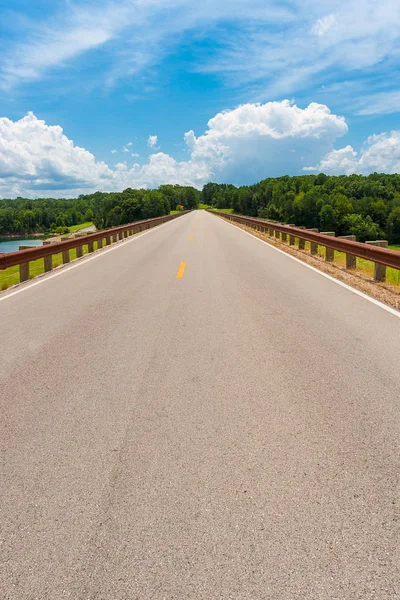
(362, 227)
(393, 225)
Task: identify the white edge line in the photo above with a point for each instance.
(389, 309)
(43, 277)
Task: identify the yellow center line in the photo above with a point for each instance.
(181, 270)
(191, 239)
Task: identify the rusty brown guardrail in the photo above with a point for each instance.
(382, 257)
(24, 257)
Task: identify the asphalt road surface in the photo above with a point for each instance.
(193, 414)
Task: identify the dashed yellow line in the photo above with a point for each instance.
(191, 239)
(181, 270)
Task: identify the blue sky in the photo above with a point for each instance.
(233, 91)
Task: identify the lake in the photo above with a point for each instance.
(12, 245)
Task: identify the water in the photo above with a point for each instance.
(12, 245)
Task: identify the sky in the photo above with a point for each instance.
(106, 95)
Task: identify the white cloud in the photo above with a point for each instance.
(379, 104)
(135, 155)
(243, 145)
(323, 25)
(252, 40)
(113, 152)
(35, 156)
(152, 141)
(341, 161)
(258, 140)
(142, 33)
(129, 144)
(46, 45)
(351, 37)
(380, 153)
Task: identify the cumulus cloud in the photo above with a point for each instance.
(243, 145)
(152, 141)
(259, 140)
(380, 153)
(337, 161)
(113, 152)
(34, 156)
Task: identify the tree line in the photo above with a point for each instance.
(22, 215)
(365, 206)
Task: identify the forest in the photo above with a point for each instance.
(22, 215)
(365, 206)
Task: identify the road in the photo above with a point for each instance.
(229, 434)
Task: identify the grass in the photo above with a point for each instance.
(228, 211)
(174, 212)
(394, 247)
(203, 206)
(74, 228)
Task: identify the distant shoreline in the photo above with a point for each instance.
(22, 236)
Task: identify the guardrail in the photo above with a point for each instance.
(375, 251)
(47, 251)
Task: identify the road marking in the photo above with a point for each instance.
(191, 239)
(378, 303)
(42, 278)
(181, 270)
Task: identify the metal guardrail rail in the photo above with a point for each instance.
(368, 251)
(24, 257)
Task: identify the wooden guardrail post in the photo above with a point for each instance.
(65, 257)
(351, 260)
(99, 244)
(313, 245)
(79, 251)
(302, 242)
(291, 237)
(329, 252)
(379, 270)
(48, 263)
(24, 272)
(284, 236)
(277, 234)
(90, 246)
(108, 240)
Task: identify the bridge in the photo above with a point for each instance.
(192, 413)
